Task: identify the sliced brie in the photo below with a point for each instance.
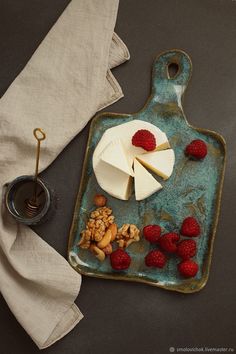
(113, 181)
(160, 162)
(115, 155)
(145, 183)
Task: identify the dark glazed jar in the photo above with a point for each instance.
(19, 191)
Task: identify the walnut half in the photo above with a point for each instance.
(127, 234)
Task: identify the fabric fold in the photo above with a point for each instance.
(119, 52)
(66, 81)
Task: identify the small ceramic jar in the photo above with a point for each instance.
(22, 190)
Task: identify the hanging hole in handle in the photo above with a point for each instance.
(173, 70)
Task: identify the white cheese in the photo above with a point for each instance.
(115, 155)
(160, 162)
(145, 184)
(125, 132)
(113, 181)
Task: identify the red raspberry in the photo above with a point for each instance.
(120, 259)
(187, 249)
(190, 227)
(188, 268)
(145, 139)
(152, 233)
(155, 258)
(196, 149)
(168, 242)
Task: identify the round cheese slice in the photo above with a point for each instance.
(114, 156)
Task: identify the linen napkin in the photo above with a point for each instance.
(67, 80)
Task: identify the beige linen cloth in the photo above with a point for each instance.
(65, 82)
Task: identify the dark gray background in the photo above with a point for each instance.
(130, 317)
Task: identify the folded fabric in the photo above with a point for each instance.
(67, 80)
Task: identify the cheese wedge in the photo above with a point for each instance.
(160, 162)
(145, 184)
(113, 181)
(114, 154)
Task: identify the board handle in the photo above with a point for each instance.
(169, 87)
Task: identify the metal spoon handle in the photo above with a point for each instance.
(40, 136)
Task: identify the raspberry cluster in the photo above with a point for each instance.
(170, 243)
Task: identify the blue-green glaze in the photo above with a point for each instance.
(194, 188)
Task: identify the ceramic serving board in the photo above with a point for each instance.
(194, 188)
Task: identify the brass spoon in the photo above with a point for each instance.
(32, 205)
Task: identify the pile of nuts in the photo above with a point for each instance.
(127, 234)
(101, 231)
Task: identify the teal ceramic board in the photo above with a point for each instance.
(194, 188)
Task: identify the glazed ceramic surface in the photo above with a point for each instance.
(194, 189)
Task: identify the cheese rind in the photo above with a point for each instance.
(160, 162)
(145, 183)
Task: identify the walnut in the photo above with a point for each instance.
(84, 241)
(123, 231)
(111, 219)
(98, 223)
(134, 232)
(94, 214)
(99, 220)
(102, 211)
(121, 243)
(127, 234)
